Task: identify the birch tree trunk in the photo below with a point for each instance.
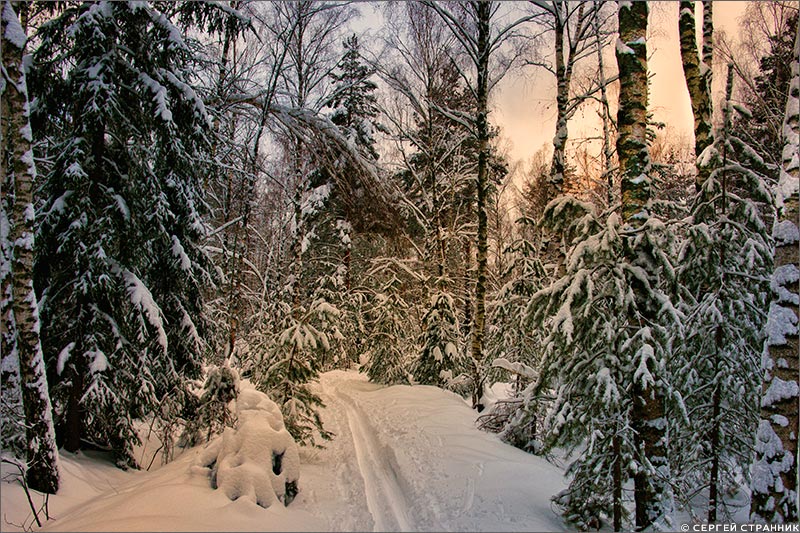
(42, 455)
(608, 152)
(648, 416)
(558, 167)
(708, 38)
(698, 78)
(13, 431)
(774, 477)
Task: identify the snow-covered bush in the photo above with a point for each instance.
(210, 413)
(220, 389)
(291, 361)
(258, 459)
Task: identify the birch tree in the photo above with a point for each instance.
(697, 72)
(651, 481)
(24, 326)
(774, 483)
(576, 27)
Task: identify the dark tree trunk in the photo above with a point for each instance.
(618, 481)
(73, 428)
(483, 15)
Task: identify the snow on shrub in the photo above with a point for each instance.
(257, 460)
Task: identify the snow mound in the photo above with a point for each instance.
(258, 460)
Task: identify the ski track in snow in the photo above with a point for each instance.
(385, 497)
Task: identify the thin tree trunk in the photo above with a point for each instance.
(713, 490)
(716, 399)
(466, 327)
(231, 263)
(608, 151)
(648, 414)
(558, 166)
(297, 238)
(483, 12)
(73, 425)
(774, 481)
(440, 242)
(348, 258)
(42, 455)
(618, 481)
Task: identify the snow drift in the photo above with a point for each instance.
(258, 460)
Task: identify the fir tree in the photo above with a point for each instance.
(439, 363)
(387, 342)
(120, 265)
(596, 355)
(328, 216)
(507, 339)
(604, 381)
(513, 347)
(292, 364)
(725, 255)
(355, 107)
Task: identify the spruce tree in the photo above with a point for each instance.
(604, 382)
(725, 256)
(119, 263)
(513, 347)
(387, 340)
(354, 104)
(506, 337)
(596, 355)
(291, 363)
(440, 361)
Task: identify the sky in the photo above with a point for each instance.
(524, 103)
(526, 109)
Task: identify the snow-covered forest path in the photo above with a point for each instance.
(402, 459)
(410, 459)
(384, 495)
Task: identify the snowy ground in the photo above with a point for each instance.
(404, 458)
